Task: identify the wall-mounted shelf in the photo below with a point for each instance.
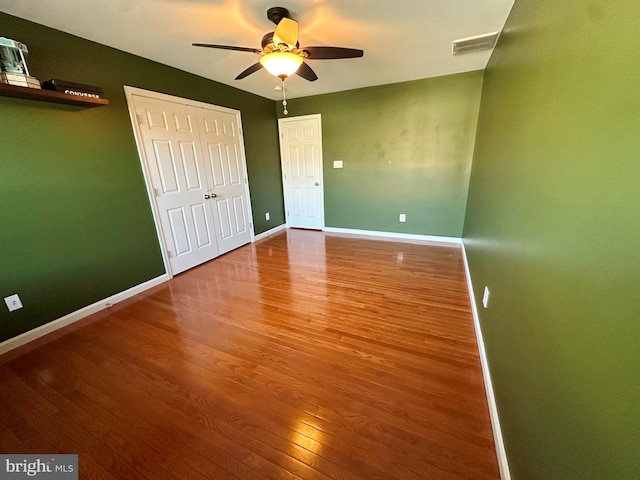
(50, 96)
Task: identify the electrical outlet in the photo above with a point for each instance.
(267, 216)
(485, 297)
(403, 218)
(13, 302)
(338, 164)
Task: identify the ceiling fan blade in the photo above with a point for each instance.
(331, 53)
(252, 69)
(227, 47)
(306, 72)
(286, 32)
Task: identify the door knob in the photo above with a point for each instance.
(212, 195)
(206, 196)
(317, 184)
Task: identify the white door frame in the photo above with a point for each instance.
(129, 93)
(282, 121)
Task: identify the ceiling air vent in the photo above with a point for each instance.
(475, 44)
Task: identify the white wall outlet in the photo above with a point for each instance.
(13, 302)
(485, 297)
(403, 218)
(267, 216)
(338, 164)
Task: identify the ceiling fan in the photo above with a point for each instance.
(281, 54)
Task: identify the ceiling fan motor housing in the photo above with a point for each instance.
(267, 40)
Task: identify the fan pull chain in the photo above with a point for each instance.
(284, 99)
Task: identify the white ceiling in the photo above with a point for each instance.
(403, 40)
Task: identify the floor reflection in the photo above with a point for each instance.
(307, 437)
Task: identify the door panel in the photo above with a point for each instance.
(178, 177)
(165, 165)
(156, 119)
(183, 122)
(228, 127)
(239, 208)
(298, 208)
(215, 164)
(225, 218)
(234, 165)
(311, 203)
(179, 234)
(301, 152)
(193, 176)
(204, 231)
(310, 161)
(227, 176)
(294, 161)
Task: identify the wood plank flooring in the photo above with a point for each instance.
(303, 356)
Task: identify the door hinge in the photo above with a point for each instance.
(250, 225)
(156, 192)
(170, 254)
(140, 119)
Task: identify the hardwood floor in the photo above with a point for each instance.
(303, 356)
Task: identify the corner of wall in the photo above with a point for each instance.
(503, 463)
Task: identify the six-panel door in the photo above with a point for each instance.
(226, 176)
(194, 157)
(301, 151)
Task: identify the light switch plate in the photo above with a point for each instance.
(485, 297)
(338, 164)
(13, 302)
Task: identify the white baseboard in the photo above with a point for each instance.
(394, 235)
(72, 317)
(270, 232)
(503, 463)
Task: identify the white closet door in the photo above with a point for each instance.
(178, 176)
(194, 163)
(227, 177)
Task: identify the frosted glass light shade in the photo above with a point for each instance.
(281, 64)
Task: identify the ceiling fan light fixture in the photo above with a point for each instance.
(281, 64)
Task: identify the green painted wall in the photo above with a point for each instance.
(406, 147)
(75, 222)
(553, 229)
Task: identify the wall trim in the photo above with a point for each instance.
(270, 232)
(503, 463)
(395, 235)
(72, 317)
